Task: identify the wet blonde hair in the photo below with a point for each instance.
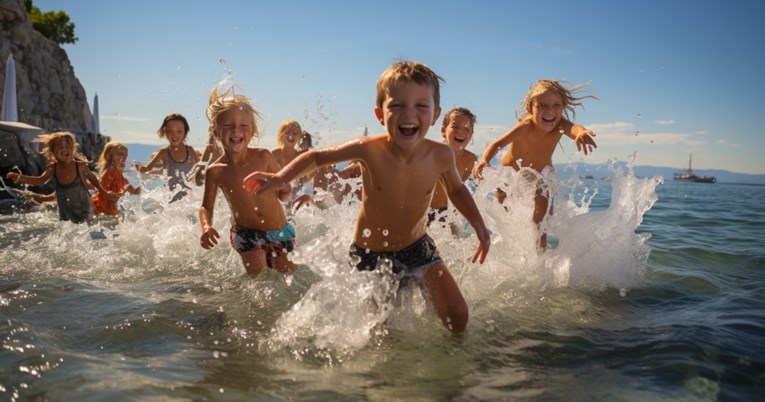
(411, 71)
(459, 111)
(540, 87)
(50, 140)
(280, 132)
(105, 160)
(168, 119)
(222, 99)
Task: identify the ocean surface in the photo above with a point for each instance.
(650, 291)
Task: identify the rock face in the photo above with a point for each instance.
(49, 95)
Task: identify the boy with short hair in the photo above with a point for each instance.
(399, 172)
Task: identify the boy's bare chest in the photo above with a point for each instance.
(404, 180)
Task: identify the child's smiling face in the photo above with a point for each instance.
(547, 110)
(458, 132)
(236, 129)
(407, 112)
(175, 132)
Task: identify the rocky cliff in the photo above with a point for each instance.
(49, 95)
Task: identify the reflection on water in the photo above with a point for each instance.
(143, 312)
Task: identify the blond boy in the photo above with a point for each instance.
(261, 233)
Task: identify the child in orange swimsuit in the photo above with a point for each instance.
(110, 164)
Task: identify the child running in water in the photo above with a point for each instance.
(177, 159)
(288, 136)
(261, 233)
(110, 165)
(399, 171)
(67, 167)
(543, 119)
(457, 130)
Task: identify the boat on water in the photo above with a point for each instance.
(688, 175)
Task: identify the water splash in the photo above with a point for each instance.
(328, 310)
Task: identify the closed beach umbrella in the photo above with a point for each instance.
(10, 110)
(96, 123)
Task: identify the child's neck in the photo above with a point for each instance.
(66, 163)
(237, 158)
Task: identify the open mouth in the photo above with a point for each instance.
(548, 120)
(460, 140)
(408, 130)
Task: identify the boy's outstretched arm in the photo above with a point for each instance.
(260, 182)
(581, 135)
(305, 163)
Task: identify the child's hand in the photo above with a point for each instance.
(13, 176)
(478, 169)
(484, 241)
(209, 238)
(258, 182)
(584, 141)
(300, 201)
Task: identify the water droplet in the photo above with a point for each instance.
(385, 232)
(366, 232)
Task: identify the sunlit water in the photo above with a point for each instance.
(649, 291)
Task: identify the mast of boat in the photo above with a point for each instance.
(690, 160)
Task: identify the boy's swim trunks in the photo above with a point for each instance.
(244, 239)
(414, 259)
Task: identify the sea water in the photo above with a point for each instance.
(649, 290)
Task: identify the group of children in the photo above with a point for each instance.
(407, 180)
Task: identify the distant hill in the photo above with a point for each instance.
(142, 153)
(723, 176)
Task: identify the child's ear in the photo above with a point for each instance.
(378, 114)
(436, 115)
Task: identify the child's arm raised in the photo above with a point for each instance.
(495, 146)
(158, 157)
(37, 181)
(306, 163)
(582, 136)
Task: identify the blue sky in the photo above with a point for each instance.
(673, 77)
